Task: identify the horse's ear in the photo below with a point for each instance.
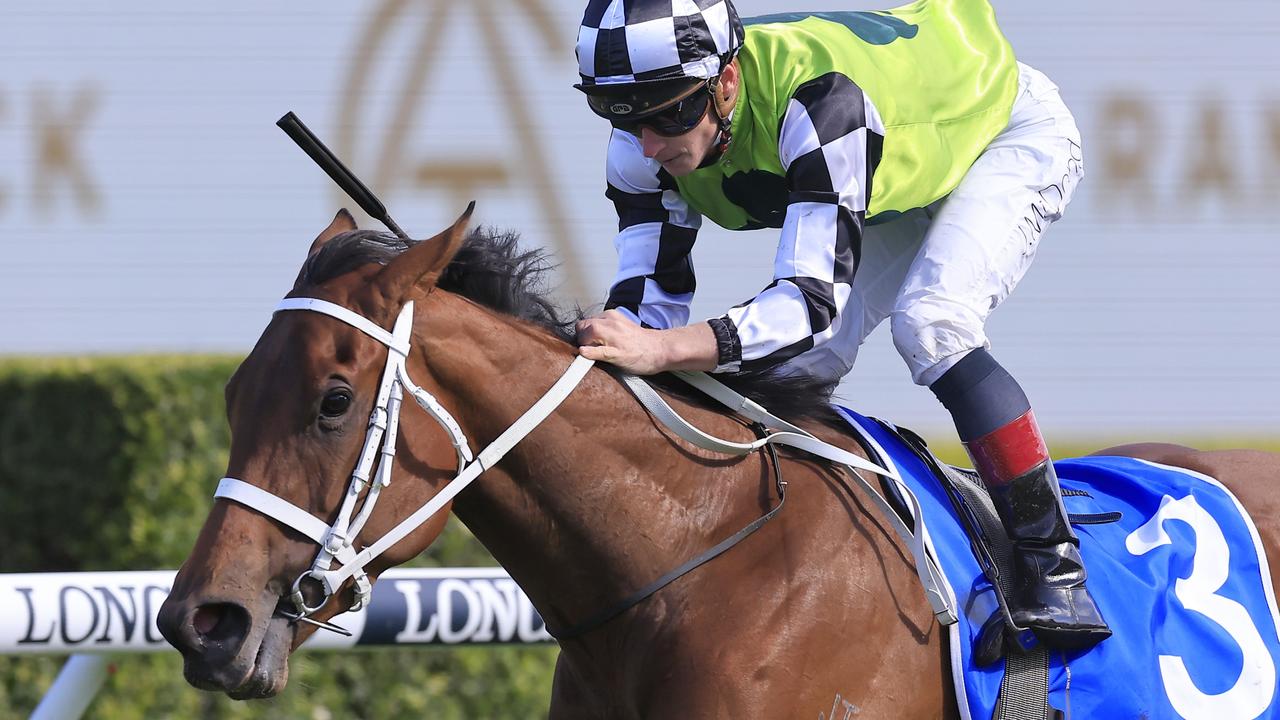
(342, 222)
(420, 266)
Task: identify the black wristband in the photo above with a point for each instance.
(728, 346)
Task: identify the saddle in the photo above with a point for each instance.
(1180, 572)
(1024, 690)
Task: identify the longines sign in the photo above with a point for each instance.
(116, 611)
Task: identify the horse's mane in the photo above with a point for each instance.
(492, 270)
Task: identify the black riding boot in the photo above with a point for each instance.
(1049, 594)
(995, 421)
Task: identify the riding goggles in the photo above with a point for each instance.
(669, 119)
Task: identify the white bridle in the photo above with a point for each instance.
(337, 540)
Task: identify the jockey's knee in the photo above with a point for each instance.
(933, 336)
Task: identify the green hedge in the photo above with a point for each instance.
(110, 464)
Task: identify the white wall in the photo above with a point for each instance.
(148, 203)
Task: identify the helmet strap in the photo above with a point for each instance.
(723, 107)
(724, 104)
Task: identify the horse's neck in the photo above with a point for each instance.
(599, 501)
(567, 512)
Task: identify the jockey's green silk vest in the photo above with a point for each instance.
(940, 72)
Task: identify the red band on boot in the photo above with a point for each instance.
(1010, 451)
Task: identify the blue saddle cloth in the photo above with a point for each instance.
(1181, 577)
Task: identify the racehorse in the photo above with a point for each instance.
(818, 614)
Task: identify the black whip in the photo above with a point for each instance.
(330, 163)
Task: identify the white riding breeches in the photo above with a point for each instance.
(938, 272)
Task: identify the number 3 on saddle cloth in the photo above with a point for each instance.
(1177, 569)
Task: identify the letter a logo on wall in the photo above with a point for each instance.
(414, 120)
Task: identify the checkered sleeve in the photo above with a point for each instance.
(830, 143)
(656, 231)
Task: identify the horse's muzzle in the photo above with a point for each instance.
(213, 638)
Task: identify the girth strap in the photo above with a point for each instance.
(1024, 690)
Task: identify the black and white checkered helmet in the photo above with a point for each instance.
(624, 42)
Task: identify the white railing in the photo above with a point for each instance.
(92, 616)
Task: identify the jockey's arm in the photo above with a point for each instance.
(829, 155)
(643, 328)
(615, 338)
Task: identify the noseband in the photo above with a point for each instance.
(337, 540)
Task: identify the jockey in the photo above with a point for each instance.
(911, 165)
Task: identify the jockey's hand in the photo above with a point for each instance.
(613, 338)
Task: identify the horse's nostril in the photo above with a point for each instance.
(206, 619)
(218, 622)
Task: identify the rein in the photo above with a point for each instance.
(337, 540)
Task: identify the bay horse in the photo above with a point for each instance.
(818, 614)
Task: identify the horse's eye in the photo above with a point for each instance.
(335, 403)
